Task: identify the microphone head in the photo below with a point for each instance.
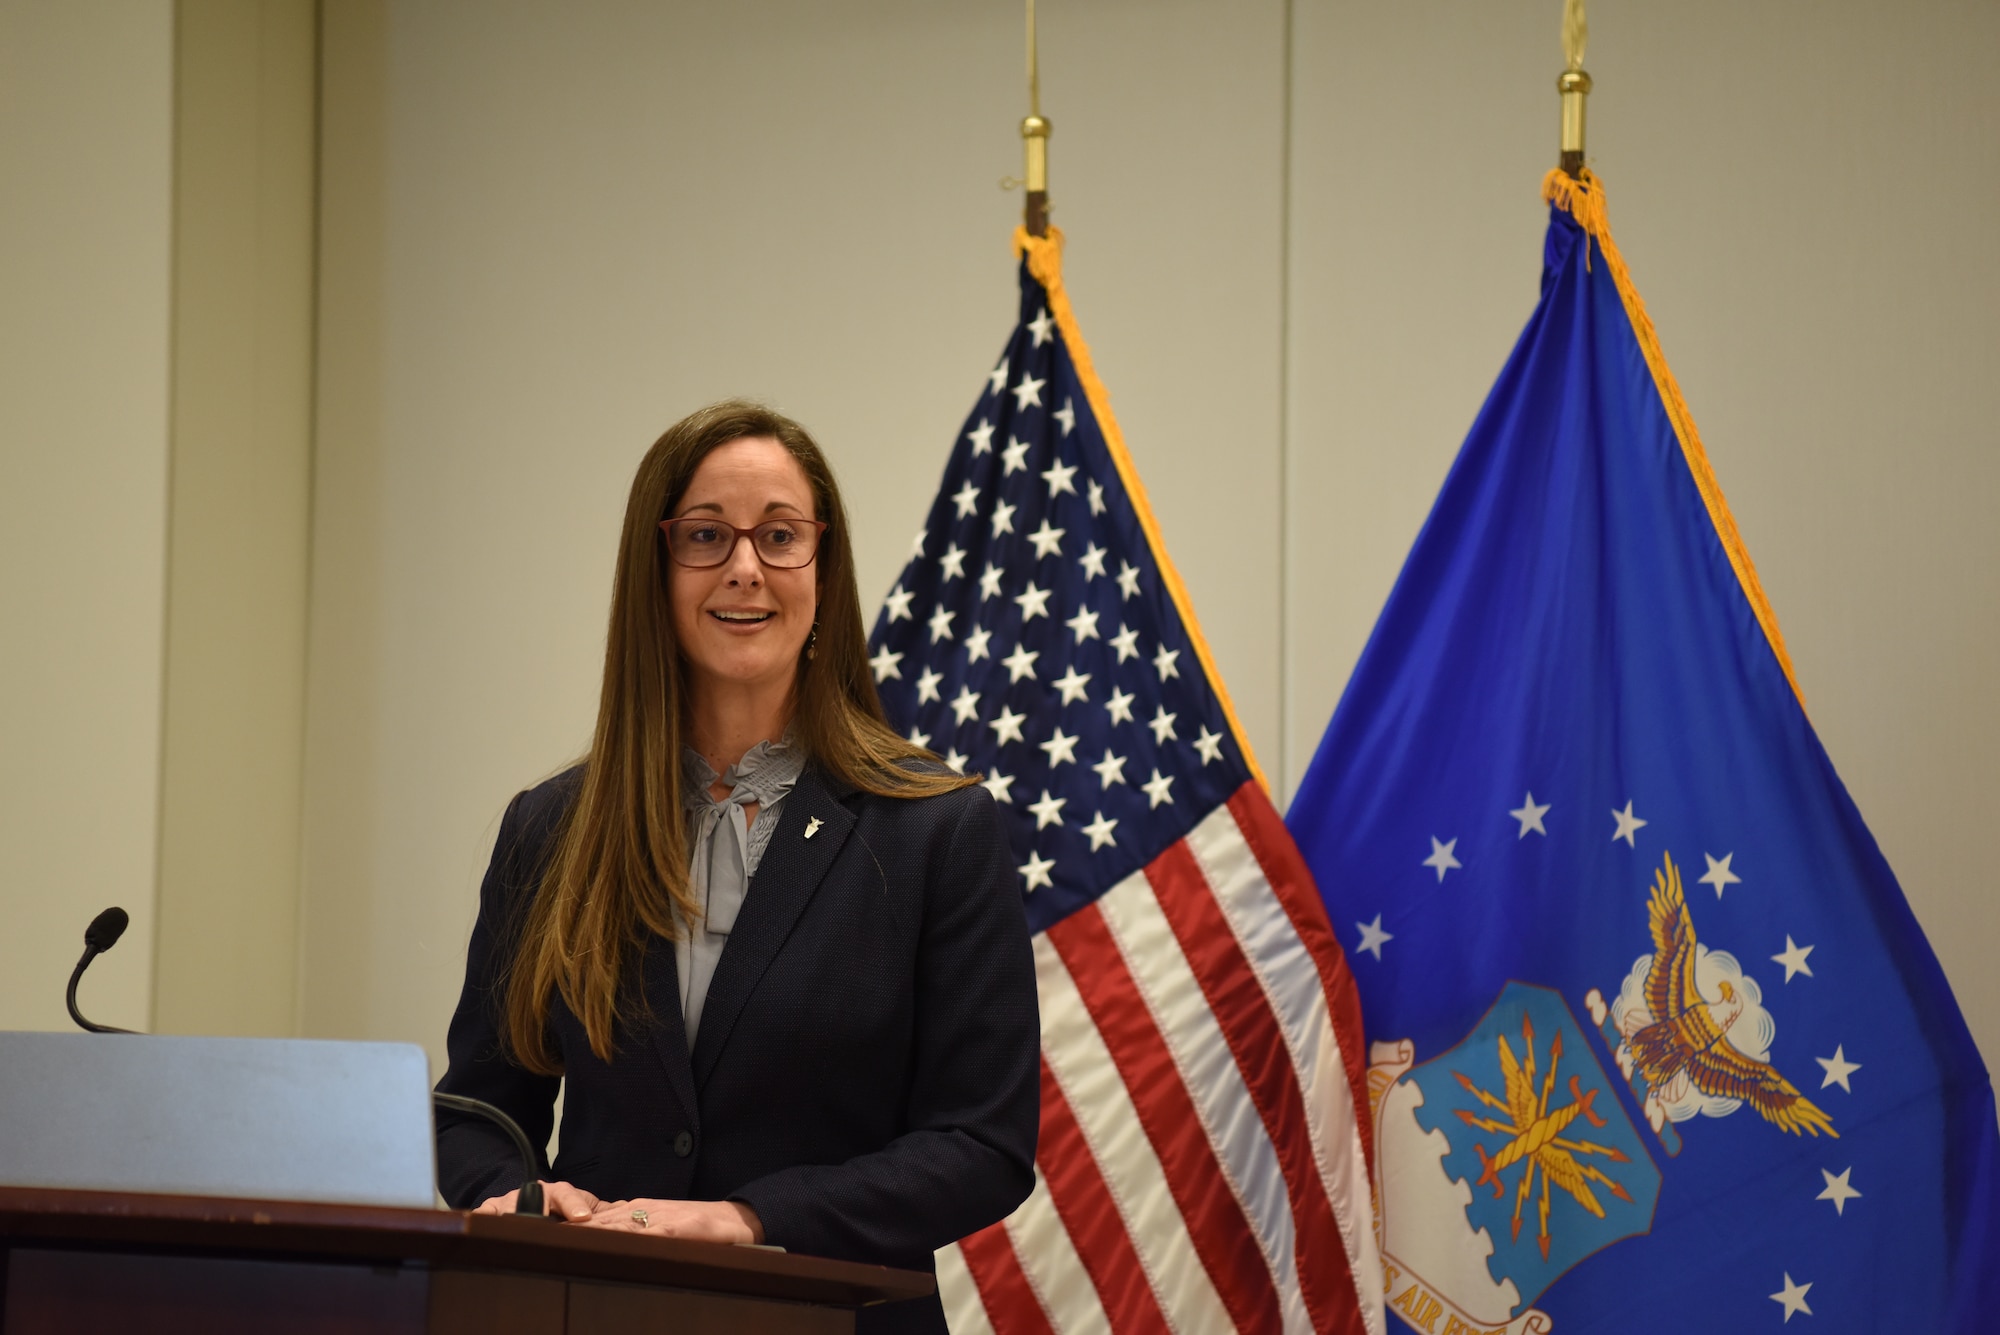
(106, 928)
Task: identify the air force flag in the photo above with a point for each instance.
(1656, 1044)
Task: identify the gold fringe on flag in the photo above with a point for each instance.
(1044, 255)
(1582, 196)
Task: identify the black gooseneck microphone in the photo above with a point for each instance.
(100, 936)
(530, 1199)
(108, 926)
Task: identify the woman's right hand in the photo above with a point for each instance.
(565, 1202)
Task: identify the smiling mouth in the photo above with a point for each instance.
(742, 618)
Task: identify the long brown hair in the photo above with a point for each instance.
(621, 861)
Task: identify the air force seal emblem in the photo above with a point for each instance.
(1503, 1162)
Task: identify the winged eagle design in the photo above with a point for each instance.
(1685, 1038)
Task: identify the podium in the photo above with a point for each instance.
(100, 1260)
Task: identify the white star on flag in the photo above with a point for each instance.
(1530, 816)
(1048, 541)
(1128, 580)
(927, 685)
(1067, 416)
(1441, 857)
(1083, 625)
(1126, 642)
(1794, 959)
(1373, 938)
(884, 664)
(1020, 663)
(1058, 478)
(1120, 706)
(1003, 521)
(1719, 874)
(898, 603)
(1837, 1190)
(1793, 1297)
(1093, 561)
(966, 499)
(1040, 326)
(1027, 392)
(1628, 826)
(1163, 726)
(1157, 788)
(1163, 662)
(965, 704)
(1838, 1068)
(1072, 685)
(1007, 727)
(1036, 869)
(1034, 603)
(952, 563)
(975, 645)
(1209, 744)
(1061, 747)
(981, 436)
(1099, 831)
(941, 624)
(1111, 769)
(1014, 457)
(1048, 811)
(999, 378)
(997, 784)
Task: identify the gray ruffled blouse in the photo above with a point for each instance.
(727, 849)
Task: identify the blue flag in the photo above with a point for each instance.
(1655, 1042)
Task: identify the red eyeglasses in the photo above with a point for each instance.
(782, 544)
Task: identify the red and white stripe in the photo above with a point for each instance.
(1203, 1163)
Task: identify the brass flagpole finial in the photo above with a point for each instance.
(1035, 143)
(1573, 84)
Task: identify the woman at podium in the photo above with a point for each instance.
(773, 953)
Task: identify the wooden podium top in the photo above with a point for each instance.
(34, 1216)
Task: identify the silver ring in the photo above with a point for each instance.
(639, 1218)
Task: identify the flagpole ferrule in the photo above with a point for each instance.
(1574, 86)
(1035, 176)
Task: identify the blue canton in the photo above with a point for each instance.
(1030, 639)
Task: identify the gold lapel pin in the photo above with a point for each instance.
(812, 826)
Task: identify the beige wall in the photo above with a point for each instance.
(245, 176)
(559, 229)
(85, 117)
(1303, 236)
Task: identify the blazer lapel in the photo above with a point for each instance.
(791, 869)
(668, 1031)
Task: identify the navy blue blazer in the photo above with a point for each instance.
(867, 1072)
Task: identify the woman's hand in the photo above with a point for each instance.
(565, 1202)
(697, 1221)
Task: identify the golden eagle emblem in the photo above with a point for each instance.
(1680, 1038)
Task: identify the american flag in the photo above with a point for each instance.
(1202, 1166)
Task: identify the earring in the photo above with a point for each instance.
(812, 639)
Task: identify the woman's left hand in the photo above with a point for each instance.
(697, 1221)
